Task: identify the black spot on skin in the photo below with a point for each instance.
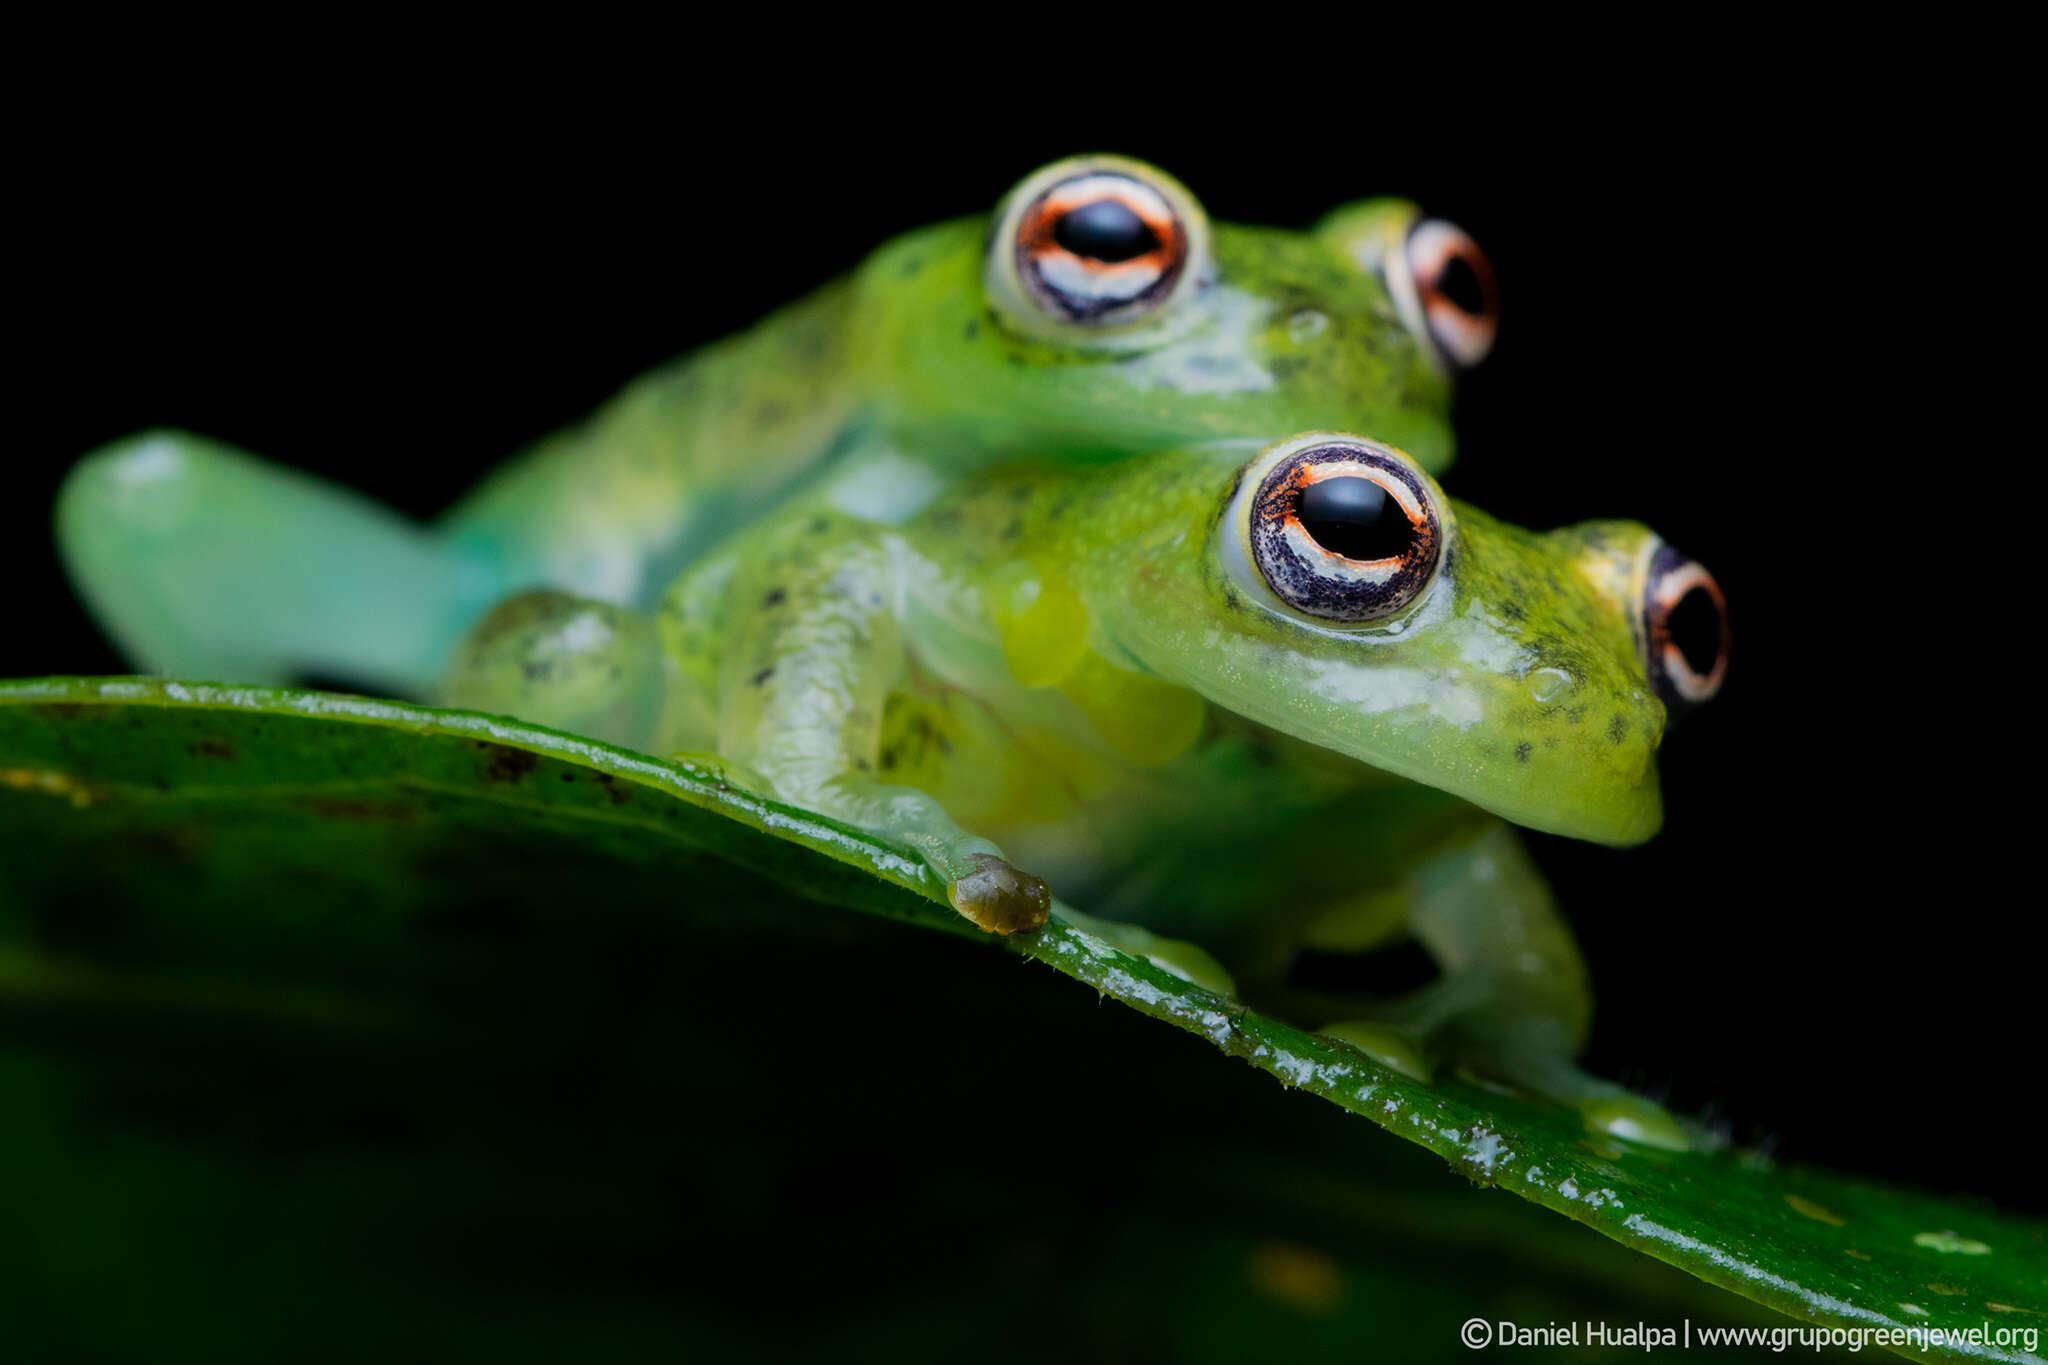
(1522, 751)
(862, 765)
(612, 790)
(910, 267)
(214, 747)
(507, 764)
(538, 670)
(775, 597)
(1617, 728)
(763, 676)
(971, 330)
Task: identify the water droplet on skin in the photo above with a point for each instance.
(1306, 325)
(1548, 684)
(1635, 1119)
(1950, 1244)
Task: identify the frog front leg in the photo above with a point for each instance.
(811, 646)
(1513, 1001)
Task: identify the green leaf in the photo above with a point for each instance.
(197, 857)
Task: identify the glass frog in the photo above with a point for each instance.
(1231, 700)
(1096, 314)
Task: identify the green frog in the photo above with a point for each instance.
(992, 551)
(1096, 314)
(1233, 701)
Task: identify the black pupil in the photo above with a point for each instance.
(1355, 518)
(1107, 230)
(1695, 627)
(1459, 283)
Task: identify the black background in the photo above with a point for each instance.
(1748, 320)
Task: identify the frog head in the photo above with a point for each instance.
(1100, 311)
(1327, 588)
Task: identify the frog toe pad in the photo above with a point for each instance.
(999, 898)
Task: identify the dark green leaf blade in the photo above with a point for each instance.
(159, 795)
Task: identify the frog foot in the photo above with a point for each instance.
(1533, 1060)
(999, 898)
(1627, 1115)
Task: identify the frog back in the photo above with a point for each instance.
(614, 506)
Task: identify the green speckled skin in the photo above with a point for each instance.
(977, 584)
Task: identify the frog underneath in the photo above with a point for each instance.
(1245, 698)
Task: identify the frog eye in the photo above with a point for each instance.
(1684, 628)
(1444, 287)
(1095, 245)
(1344, 530)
